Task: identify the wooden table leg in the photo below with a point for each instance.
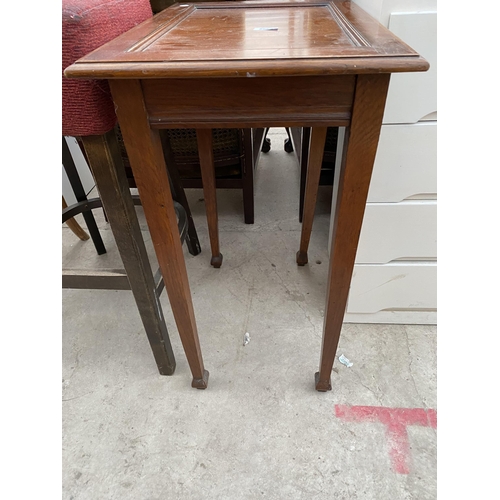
(205, 151)
(145, 153)
(104, 158)
(315, 159)
(360, 147)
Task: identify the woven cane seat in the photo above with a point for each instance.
(227, 150)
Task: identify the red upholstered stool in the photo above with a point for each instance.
(86, 25)
(88, 114)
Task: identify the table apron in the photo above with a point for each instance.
(249, 102)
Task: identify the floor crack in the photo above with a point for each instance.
(77, 397)
(411, 371)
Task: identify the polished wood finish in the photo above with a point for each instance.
(248, 101)
(252, 39)
(150, 173)
(253, 64)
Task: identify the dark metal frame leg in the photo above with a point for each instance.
(107, 167)
(79, 191)
(179, 195)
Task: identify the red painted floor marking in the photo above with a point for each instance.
(395, 420)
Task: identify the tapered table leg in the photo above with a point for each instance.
(315, 159)
(205, 151)
(106, 164)
(360, 147)
(145, 153)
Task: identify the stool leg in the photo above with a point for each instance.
(205, 151)
(145, 153)
(80, 195)
(74, 226)
(109, 173)
(315, 159)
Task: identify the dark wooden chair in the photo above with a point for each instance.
(236, 153)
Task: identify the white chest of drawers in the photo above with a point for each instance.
(395, 275)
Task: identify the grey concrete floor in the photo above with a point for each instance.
(260, 430)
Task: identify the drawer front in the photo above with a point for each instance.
(249, 102)
(410, 286)
(406, 163)
(413, 96)
(400, 317)
(404, 231)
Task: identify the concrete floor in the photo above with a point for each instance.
(260, 430)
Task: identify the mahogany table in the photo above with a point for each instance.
(253, 64)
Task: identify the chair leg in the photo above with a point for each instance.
(74, 226)
(304, 158)
(77, 186)
(266, 144)
(316, 152)
(179, 195)
(107, 166)
(288, 142)
(205, 152)
(248, 176)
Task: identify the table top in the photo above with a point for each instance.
(252, 38)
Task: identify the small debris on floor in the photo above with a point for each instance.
(246, 338)
(345, 361)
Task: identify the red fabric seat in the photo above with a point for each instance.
(87, 107)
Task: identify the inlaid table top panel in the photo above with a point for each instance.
(252, 38)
